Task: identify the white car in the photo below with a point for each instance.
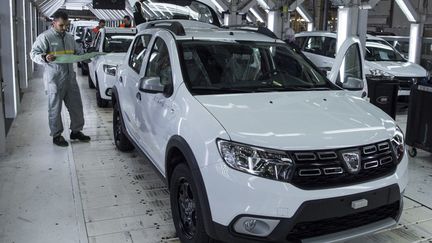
(102, 69)
(77, 27)
(256, 144)
(381, 59)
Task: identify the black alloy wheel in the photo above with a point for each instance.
(120, 139)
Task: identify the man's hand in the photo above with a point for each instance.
(50, 58)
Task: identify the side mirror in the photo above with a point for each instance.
(352, 83)
(151, 85)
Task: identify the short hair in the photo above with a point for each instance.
(102, 21)
(60, 15)
(127, 17)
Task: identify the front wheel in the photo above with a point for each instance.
(186, 208)
(101, 102)
(90, 83)
(120, 139)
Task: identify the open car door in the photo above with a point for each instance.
(347, 71)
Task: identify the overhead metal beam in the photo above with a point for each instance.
(246, 5)
(409, 10)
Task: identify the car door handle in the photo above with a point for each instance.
(138, 96)
(121, 80)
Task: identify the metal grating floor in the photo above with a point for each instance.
(91, 192)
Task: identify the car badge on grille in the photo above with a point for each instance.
(351, 160)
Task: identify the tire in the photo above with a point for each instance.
(412, 152)
(102, 103)
(84, 71)
(90, 83)
(186, 208)
(120, 139)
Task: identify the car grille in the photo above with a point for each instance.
(326, 169)
(327, 226)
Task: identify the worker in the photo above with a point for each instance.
(96, 29)
(138, 13)
(60, 79)
(126, 22)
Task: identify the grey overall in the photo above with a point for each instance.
(59, 79)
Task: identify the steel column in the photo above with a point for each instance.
(29, 37)
(416, 33)
(21, 42)
(8, 59)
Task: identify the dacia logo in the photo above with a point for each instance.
(351, 161)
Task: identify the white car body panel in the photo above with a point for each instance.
(106, 81)
(299, 120)
(397, 69)
(293, 120)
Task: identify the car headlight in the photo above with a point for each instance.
(379, 73)
(398, 143)
(110, 69)
(271, 164)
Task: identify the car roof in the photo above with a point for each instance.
(330, 34)
(203, 31)
(119, 30)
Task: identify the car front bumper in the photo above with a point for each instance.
(233, 194)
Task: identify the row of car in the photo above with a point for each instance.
(255, 143)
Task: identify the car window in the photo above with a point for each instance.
(351, 65)
(117, 42)
(321, 45)
(159, 64)
(138, 51)
(378, 50)
(300, 41)
(315, 45)
(241, 66)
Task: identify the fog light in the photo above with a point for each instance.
(255, 226)
(108, 92)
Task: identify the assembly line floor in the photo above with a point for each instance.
(91, 192)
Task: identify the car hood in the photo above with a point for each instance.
(398, 69)
(299, 120)
(114, 58)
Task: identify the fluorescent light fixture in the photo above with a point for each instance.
(406, 10)
(256, 15)
(303, 14)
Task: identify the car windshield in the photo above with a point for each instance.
(117, 42)
(238, 66)
(378, 50)
(179, 9)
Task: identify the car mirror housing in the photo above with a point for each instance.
(353, 83)
(151, 85)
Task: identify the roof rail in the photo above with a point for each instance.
(258, 29)
(173, 26)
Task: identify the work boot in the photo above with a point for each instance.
(80, 136)
(60, 141)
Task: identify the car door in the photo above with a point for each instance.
(321, 51)
(129, 82)
(349, 67)
(92, 64)
(154, 110)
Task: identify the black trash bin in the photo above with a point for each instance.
(419, 122)
(383, 93)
